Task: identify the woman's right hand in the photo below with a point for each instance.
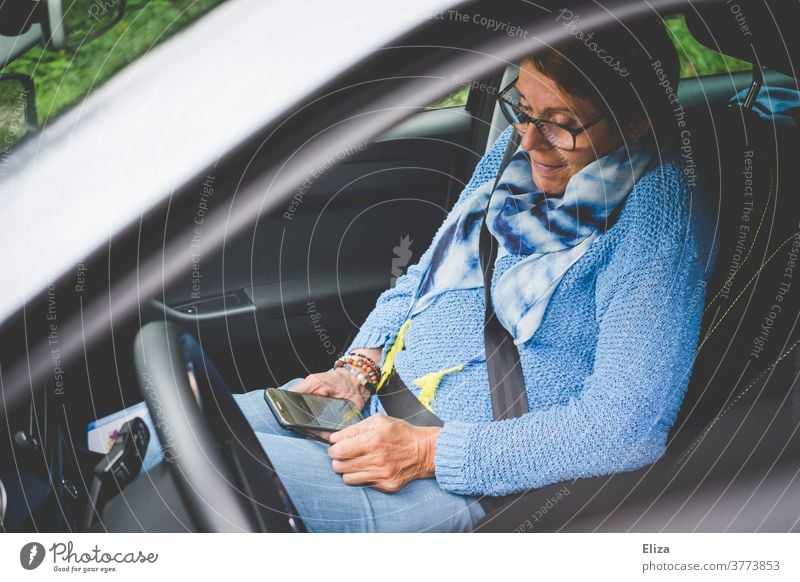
(338, 383)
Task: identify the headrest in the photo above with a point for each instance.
(744, 28)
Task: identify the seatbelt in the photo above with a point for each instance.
(507, 385)
(506, 382)
(398, 401)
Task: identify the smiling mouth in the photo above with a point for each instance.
(545, 168)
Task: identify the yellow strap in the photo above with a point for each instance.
(388, 362)
(430, 383)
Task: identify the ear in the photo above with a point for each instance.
(637, 129)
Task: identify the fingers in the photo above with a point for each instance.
(359, 478)
(311, 384)
(346, 466)
(330, 381)
(321, 435)
(374, 479)
(347, 449)
(303, 386)
(367, 454)
(362, 438)
(354, 430)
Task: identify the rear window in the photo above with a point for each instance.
(456, 99)
(696, 59)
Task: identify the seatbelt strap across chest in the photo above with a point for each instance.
(506, 382)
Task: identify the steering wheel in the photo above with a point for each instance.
(223, 474)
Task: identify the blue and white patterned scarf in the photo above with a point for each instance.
(554, 232)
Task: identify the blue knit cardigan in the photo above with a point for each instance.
(608, 367)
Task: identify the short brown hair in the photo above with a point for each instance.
(630, 72)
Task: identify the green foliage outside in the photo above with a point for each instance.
(456, 99)
(63, 78)
(12, 113)
(696, 61)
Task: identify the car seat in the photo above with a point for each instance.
(738, 430)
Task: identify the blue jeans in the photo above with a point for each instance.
(326, 504)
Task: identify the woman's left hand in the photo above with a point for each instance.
(384, 452)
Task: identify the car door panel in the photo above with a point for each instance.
(348, 233)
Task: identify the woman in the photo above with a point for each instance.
(604, 249)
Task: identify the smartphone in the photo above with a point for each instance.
(309, 412)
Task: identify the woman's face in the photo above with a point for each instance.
(541, 97)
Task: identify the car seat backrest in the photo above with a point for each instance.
(750, 27)
(753, 298)
(498, 122)
(764, 416)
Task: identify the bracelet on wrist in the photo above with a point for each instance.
(369, 360)
(359, 376)
(362, 369)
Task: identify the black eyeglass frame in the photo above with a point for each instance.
(515, 115)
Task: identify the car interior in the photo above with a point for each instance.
(284, 298)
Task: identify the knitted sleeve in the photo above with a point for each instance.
(383, 323)
(649, 319)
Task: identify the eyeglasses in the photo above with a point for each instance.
(561, 136)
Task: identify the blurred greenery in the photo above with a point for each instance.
(79, 28)
(13, 124)
(456, 99)
(62, 78)
(696, 60)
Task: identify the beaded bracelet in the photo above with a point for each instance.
(369, 360)
(359, 375)
(359, 367)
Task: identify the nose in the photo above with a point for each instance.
(533, 139)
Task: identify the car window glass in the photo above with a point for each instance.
(457, 98)
(63, 78)
(696, 59)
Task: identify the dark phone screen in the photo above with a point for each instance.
(313, 411)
